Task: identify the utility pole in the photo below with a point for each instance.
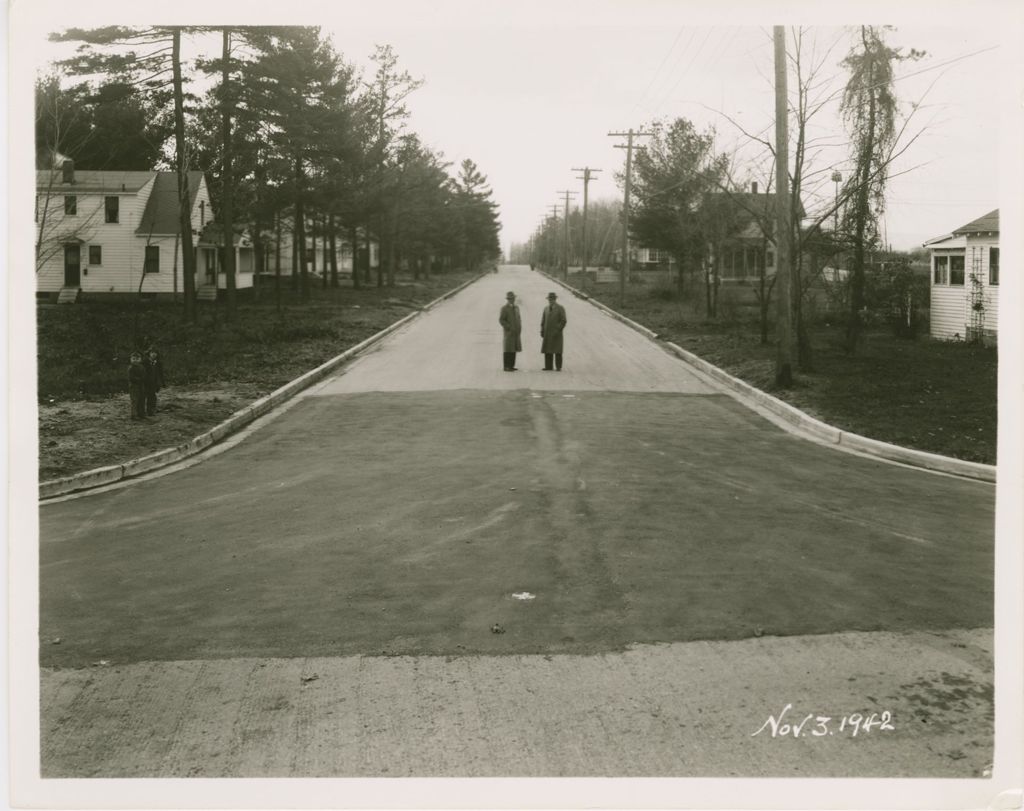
(837, 178)
(784, 303)
(565, 237)
(587, 171)
(553, 245)
(628, 146)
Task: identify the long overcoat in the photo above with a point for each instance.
(513, 326)
(551, 325)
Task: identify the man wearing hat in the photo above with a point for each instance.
(513, 327)
(552, 322)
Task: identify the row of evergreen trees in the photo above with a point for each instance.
(290, 134)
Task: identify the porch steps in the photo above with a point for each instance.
(207, 292)
(68, 295)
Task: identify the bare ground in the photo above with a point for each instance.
(90, 433)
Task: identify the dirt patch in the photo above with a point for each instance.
(77, 435)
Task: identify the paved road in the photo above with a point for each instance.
(427, 566)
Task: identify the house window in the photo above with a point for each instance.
(70, 204)
(95, 254)
(941, 275)
(152, 263)
(727, 262)
(770, 259)
(956, 271)
(993, 266)
(112, 206)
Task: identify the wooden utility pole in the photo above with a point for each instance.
(188, 256)
(565, 235)
(784, 262)
(587, 171)
(227, 207)
(628, 146)
(552, 242)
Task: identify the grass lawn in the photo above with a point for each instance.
(931, 395)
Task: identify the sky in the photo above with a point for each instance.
(531, 90)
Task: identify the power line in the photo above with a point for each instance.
(668, 53)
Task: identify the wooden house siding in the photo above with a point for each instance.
(948, 312)
(977, 263)
(121, 261)
(963, 311)
(122, 244)
(952, 306)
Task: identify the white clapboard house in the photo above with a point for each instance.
(112, 233)
(965, 281)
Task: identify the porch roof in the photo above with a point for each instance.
(986, 224)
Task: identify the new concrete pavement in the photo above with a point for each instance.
(427, 566)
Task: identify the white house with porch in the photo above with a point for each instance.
(117, 232)
(965, 281)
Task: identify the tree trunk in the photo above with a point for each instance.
(354, 242)
(295, 254)
(300, 230)
(392, 246)
(380, 258)
(331, 230)
(369, 254)
(259, 245)
(188, 255)
(854, 326)
(277, 260)
(227, 197)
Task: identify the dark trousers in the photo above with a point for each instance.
(557, 358)
(137, 396)
(150, 402)
(509, 360)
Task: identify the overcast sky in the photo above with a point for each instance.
(530, 90)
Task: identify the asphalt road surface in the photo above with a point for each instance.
(428, 566)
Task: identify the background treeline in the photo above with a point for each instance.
(295, 141)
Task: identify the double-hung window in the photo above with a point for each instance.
(70, 204)
(993, 266)
(941, 273)
(956, 271)
(112, 207)
(152, 261)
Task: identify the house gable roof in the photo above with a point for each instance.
(161, 215)
(750, 205)
(987, 224)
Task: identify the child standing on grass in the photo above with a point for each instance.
(137, 386)
(154, 379)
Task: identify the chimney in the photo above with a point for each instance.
(753, 187)
(67, 168)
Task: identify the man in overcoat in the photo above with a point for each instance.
(513, 328)
(552, 322)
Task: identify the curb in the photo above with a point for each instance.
(110, 474)
(793, 418)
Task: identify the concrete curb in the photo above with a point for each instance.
(787, 415)
(110, 474)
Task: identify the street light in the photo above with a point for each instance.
(837, 178)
